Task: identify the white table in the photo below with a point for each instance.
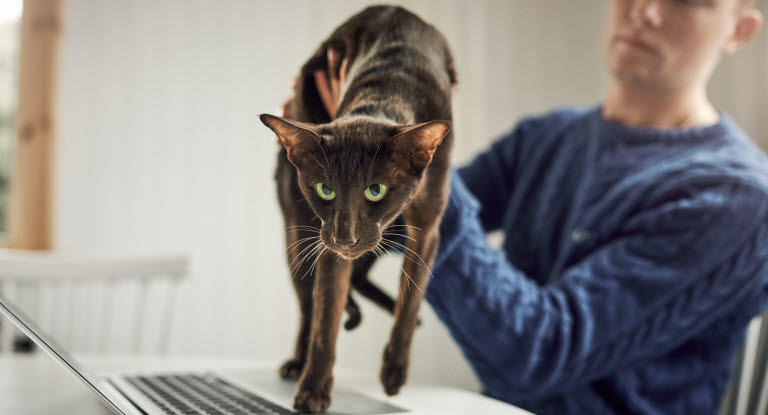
(36, 385)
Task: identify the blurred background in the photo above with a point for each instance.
(157, 146)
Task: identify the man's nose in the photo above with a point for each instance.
(646, 12)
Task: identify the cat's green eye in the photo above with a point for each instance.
(375, 192)
(324, 191)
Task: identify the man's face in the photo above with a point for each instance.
(667, 45)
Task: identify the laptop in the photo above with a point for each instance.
(213, 393)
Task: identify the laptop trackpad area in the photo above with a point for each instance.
(344, 401)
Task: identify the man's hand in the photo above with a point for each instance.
(328, 85)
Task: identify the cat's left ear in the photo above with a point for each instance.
(298, 138)
(419, 141)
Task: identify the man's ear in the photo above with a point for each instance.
(418, 142)
(298, 138)
(747, 26)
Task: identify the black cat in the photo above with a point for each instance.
(343, 182)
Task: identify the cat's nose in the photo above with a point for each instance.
(344, 244)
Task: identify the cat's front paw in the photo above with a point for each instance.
(393, 378)
(315, 398)
(291, 369)
(394, 372)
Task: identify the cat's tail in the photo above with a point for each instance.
(354, 314)
(371, 292)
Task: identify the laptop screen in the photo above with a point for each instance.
(28, 327)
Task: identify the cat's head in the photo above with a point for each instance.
(358, 174)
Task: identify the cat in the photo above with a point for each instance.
(343, 183)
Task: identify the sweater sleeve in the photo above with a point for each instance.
(680, 266)
(490, 176)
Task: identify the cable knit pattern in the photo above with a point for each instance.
(633, 260)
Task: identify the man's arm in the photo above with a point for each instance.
(491, 176)
(678, 268)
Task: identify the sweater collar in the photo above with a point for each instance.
(624, 132)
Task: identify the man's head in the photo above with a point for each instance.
(675, 45)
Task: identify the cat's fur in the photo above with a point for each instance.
(392, 127)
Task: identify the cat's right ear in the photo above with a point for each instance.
(298, 138)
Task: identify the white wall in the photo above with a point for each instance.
(159, 144)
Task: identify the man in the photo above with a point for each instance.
(636, 233)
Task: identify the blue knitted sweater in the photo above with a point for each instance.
(632, 261)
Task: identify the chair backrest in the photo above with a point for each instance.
(747, 392)
(88, 300)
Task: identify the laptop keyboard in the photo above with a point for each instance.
(202, 394)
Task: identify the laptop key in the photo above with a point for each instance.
(207, 394)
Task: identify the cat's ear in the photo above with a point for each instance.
(418, 142)
(298, 138)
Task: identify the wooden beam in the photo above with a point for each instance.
(30, 211)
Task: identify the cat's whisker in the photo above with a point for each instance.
(304, 260)
(405, 254)
(377, 251)
(302, 227)
(304, 233)
(321, 166)
(397, 244)
(294, 267)
(399, 234)
(322, 252)
(298, 242)
(404, 226)
(367, 173)
(324, 155)
(313, 246)
(298, 255)
(315, 249)
(311, 267)
(411, 279)
(297, 260)
(382, 250)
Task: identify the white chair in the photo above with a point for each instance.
(747, 392)
(87, 301)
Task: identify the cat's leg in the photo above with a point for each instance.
(302, 236)
(419, 256)
(299, 261)
(332, 282)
